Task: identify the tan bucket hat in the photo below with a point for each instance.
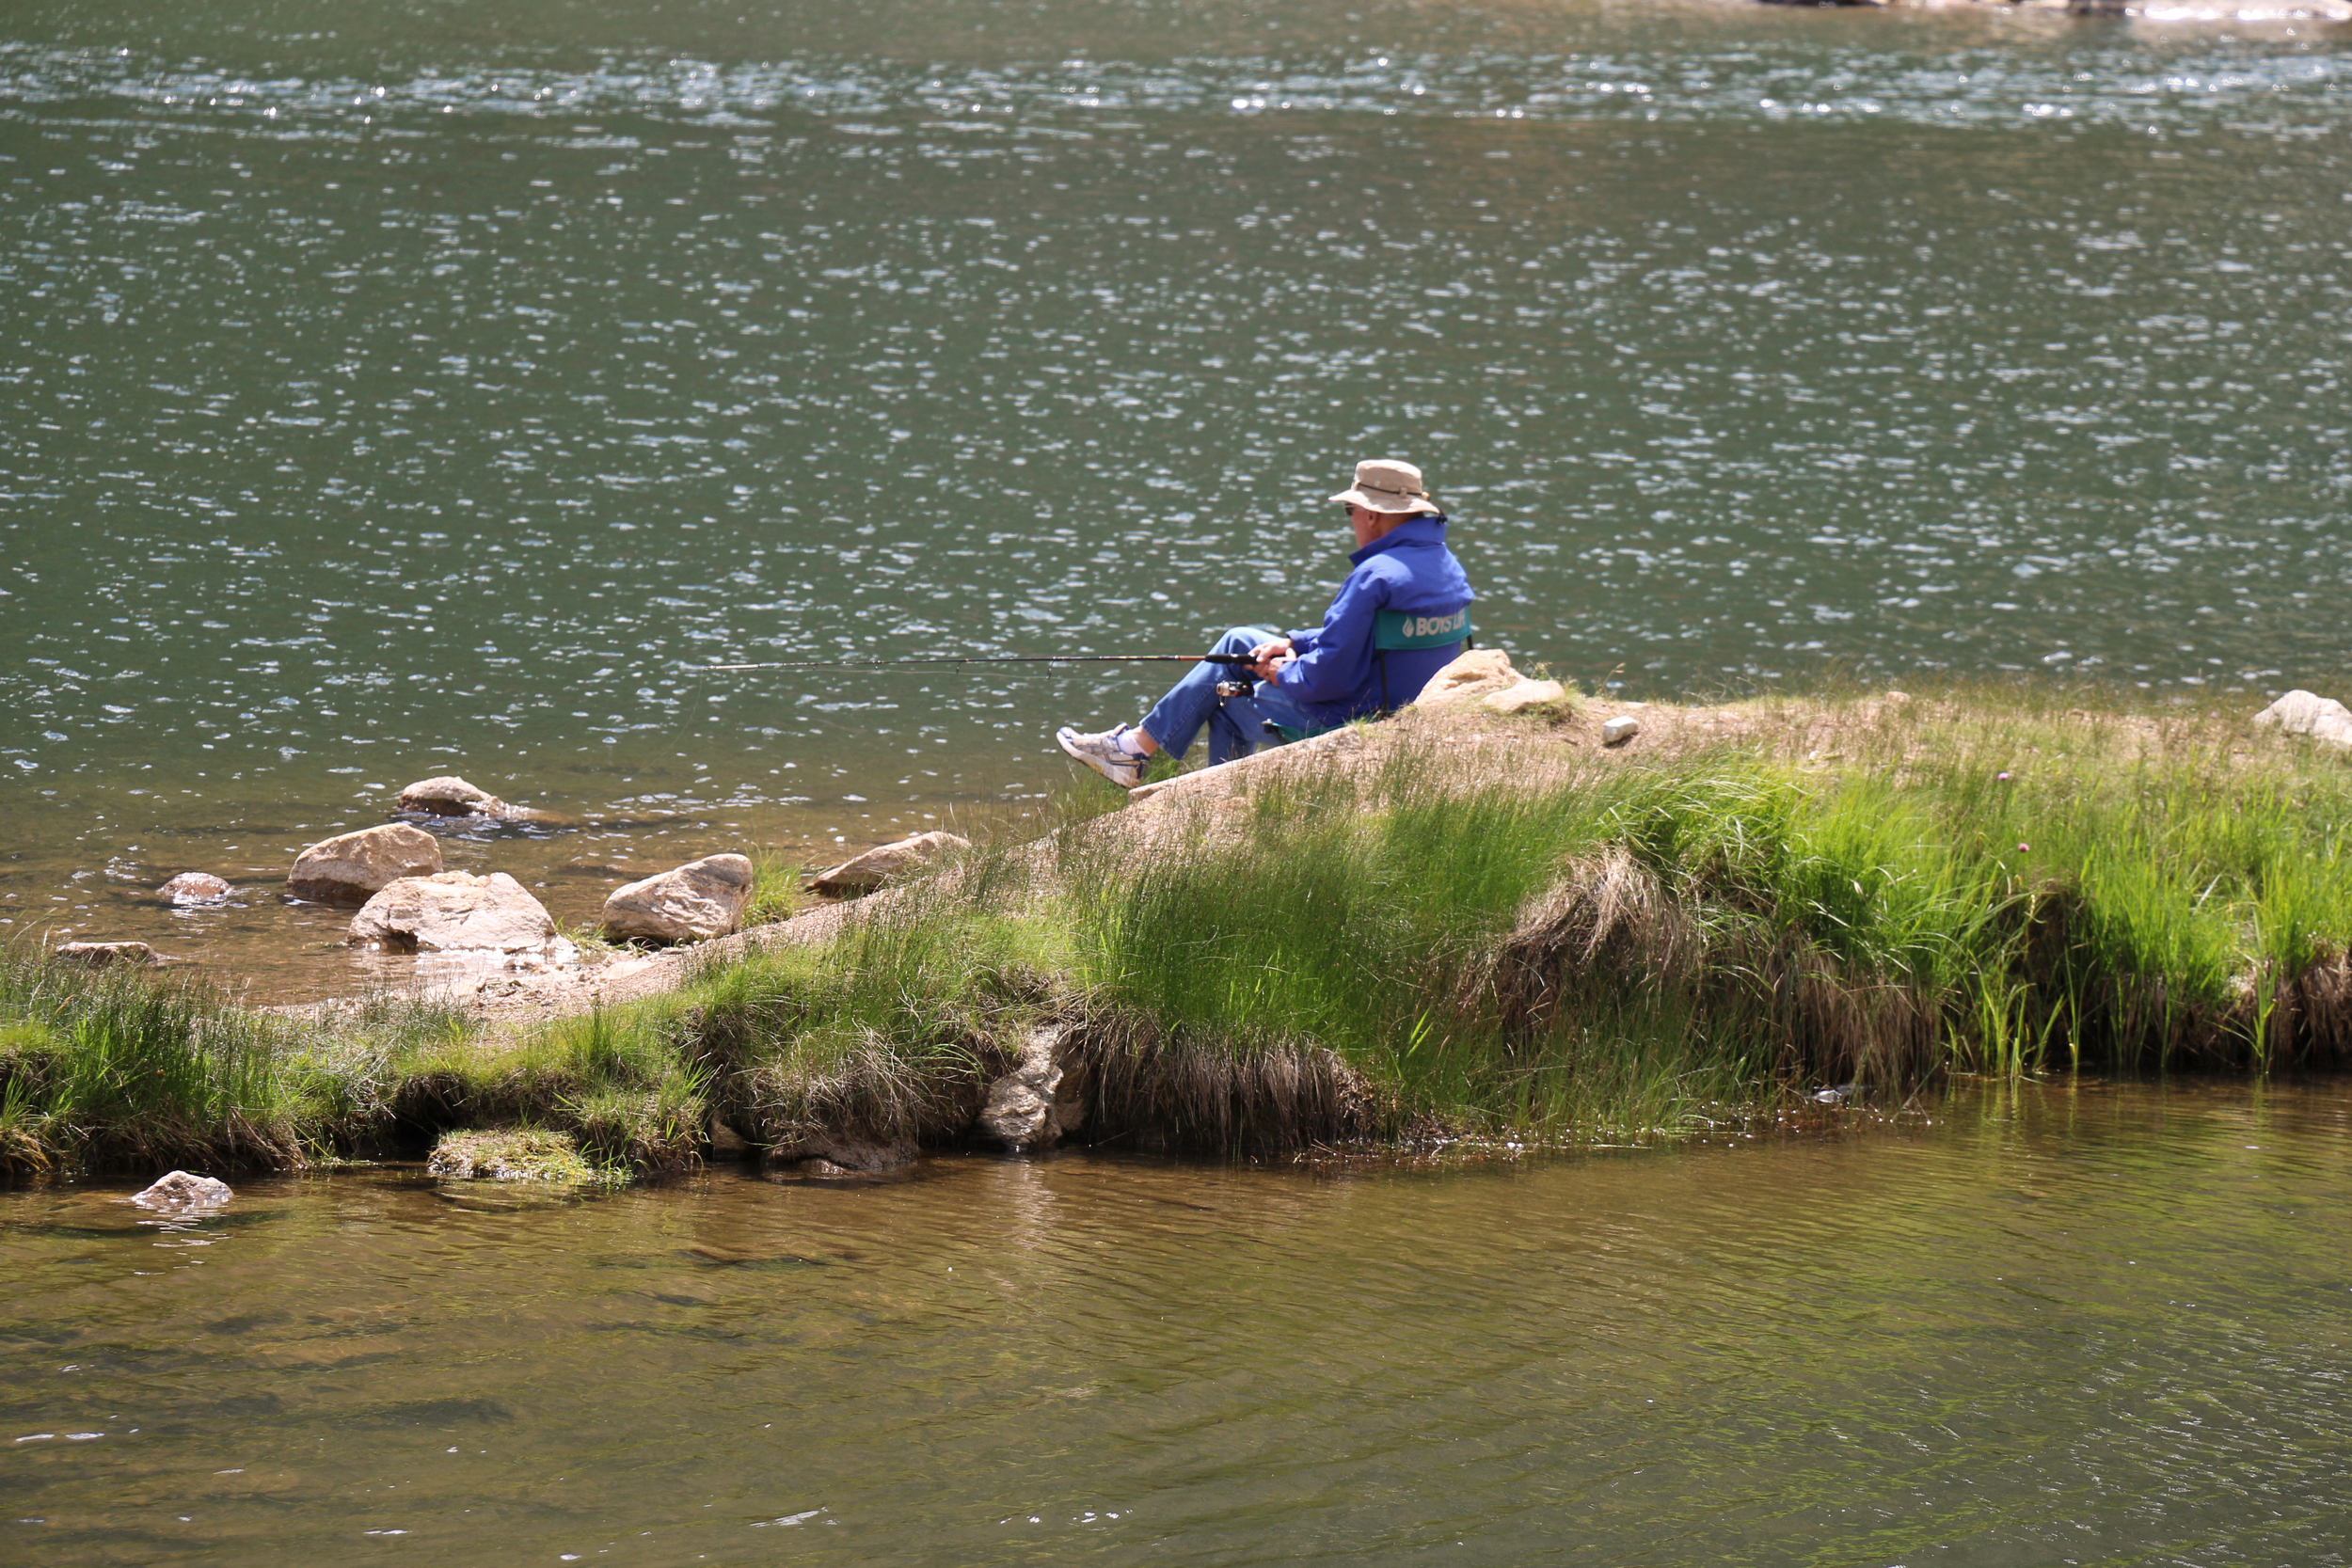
(1384, 484)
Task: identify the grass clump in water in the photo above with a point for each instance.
(625, 1091)
(513, 1154)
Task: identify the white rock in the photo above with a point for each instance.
(699, 900)
(1030, 1106)
(196, 887)
(1617, 731)
(92, 955)
(350, 868)
(455, 912)
(864, 873)
(181, 1190)
(1467, 677)
(1522, 695)
(2308, 713)
(451, 797)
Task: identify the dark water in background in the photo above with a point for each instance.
(2095, 1326)
(388, 389)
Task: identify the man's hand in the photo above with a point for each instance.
(1266, 657)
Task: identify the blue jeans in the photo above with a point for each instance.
(1236, 724)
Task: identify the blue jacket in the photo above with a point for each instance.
(1408, 568)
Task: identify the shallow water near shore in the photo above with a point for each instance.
(393, 393)
(2087, 1324)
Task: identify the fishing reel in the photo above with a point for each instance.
(1236, 689)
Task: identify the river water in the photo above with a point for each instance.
(395, 389)
(2086, 1325)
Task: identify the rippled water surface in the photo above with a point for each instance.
(2097, 1325)
(396, 389)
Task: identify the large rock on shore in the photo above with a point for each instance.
(454, 912)
(451, 797)
(353, 867)
(1522, 694)
(699, 900)
(2308, 713)
(1479, 672)
(887, 861)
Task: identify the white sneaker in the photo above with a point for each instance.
(1109, 753)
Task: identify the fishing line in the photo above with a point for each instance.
(984, 658)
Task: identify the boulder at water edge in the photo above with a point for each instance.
(451, 797)
(351, 868)
(181, 1190)
(454, 912)
(93, 955)
(888, 862)
(194, 887)
(1035, 1103)
(1479, 673)
(699, 900)
(2308, 713)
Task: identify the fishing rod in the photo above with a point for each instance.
(1242, 659)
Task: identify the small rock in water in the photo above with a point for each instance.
(1523, 695)
(455, 912)
(1617, 731)
(181, 1190)
(351, 868)
(451, 797)
(699, 900)
(2308, 713)
(865, 872)
(93, 955)
(196, 887)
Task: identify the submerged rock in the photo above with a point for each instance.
(181, 1190)
(455, 912)
(846, 1154)
(196, 887)
(1476, 674)
(353, 867)
(1523, 694)
(1034, 1104)
(699, 900)
(515, 1154)
(886, 863)
(2308, 713)
(451, 797)
(94, 954)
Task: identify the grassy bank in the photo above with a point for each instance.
(1507, 937)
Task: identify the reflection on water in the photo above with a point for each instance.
(2097, 1325)
(393, 394)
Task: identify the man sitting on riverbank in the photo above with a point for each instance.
(1400, 616)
